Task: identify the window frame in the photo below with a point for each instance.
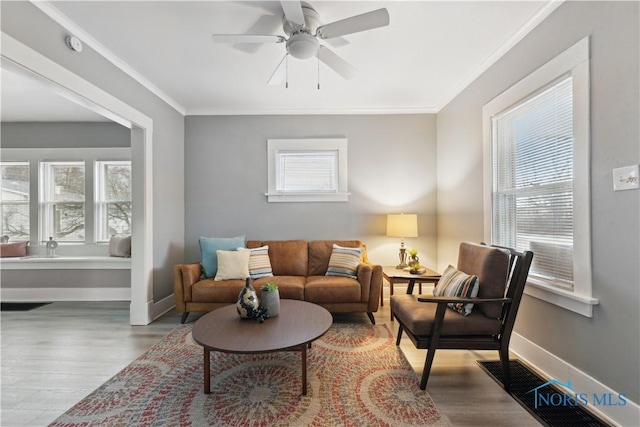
(275, 147)
(101, 204)
(46, 211)
(26, 202)
(574, 62)
(34, 156)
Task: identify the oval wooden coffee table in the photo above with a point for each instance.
(296, 326)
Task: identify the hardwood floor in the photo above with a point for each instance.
(55, 355)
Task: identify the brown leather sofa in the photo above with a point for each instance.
(299, 268)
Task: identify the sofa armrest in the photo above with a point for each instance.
(370, 278)
(184, 277)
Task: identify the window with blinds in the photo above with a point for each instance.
(307, 170)
(536, 160)
(533, 181)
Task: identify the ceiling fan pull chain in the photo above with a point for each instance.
(318, 56)
(286, 85)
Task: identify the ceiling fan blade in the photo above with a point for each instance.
(336, 63)
(266, 24)
(280, 74)
(366, 21)
(338, 42)
(293, 11)
(247, 38)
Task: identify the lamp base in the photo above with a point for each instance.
(402, 254)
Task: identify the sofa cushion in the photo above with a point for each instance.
(331, 289)
(259, 263)
(454, 283)
(208, 248)
(320, 253)
(288, 257)
(232, 265)
(344, 261)
(208, 290)
(289, 287)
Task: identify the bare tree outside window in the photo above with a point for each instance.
(113, 199)
(14, 200)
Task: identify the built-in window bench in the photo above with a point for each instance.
(36, 262)
(65, 277)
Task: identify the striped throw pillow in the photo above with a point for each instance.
(344, 261)
(454, 283)
(259, 262)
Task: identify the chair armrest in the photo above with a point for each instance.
(447, 300)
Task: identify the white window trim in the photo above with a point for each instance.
(276, 145)
(574, 61)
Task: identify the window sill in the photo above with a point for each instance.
(308, 197)
(66, 263)
(580, 304)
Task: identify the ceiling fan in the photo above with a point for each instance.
(301, 23)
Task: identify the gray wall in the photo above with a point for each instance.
(19, 19)
(64, 135)
(606, 346)
(391, 169)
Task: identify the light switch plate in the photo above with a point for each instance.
(626, 178)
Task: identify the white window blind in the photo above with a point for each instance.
(308, 171)
(533, 181)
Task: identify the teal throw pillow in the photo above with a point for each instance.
(208, 255)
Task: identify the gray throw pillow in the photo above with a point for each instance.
(120, 246)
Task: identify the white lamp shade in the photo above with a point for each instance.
(402, 225)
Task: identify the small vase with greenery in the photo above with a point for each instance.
(271, 299)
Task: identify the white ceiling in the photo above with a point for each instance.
(430, 51)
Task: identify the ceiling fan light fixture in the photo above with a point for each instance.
(302, 45)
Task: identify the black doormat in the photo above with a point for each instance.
(21, 306)
(555, 406)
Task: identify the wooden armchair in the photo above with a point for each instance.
(431, 324)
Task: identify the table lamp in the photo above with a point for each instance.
(402, 225)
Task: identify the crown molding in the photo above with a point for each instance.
(310, 112)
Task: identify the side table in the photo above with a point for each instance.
(395, 275)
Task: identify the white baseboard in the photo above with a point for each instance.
(552, 366)
(65, 294)
(163, 306)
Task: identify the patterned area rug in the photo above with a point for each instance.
(356, 377)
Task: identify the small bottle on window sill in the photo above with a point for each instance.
(51, 248)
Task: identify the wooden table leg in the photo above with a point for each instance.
(412, 283)
(304, 370)
(207, 372)
(390, 293)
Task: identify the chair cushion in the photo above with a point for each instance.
(418, 318)
(454, 283)
(491, 265)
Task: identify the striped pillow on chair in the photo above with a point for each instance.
(454, 283)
